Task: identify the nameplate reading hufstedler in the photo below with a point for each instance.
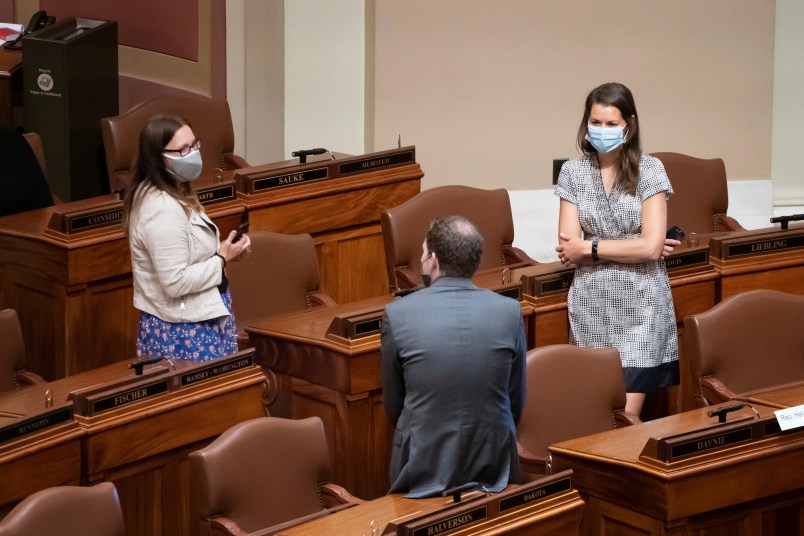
(288, 179)
(122, 398)
(217, 368)
(37, 423)
(377, 162)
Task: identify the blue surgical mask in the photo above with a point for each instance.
(185, 168)
(605, 139)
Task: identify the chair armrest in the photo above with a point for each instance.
(223, 526)
(318, 299)
(727, 223)
(333, 495)
(27, 378)
(515, 256)
(715, 391)
(406, 278)
(530, 463)
(624, 418)
(234, 161)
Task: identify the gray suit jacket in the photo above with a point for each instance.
(453, 378)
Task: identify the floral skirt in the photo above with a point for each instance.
(192, 341)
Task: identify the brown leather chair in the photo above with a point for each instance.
(701, 196)
(404, 227)
(280, 276)
(571, 392)
(211, 121)
(265, 475)
(751, 341)
(67, 511)
(35, 141)
(12, 354)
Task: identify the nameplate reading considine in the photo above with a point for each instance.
(711, 442)
(686, 259)
(216, 369)
(764, 246)
(216, 194)
(458, 521)
(377, 162)
(123, 398)
(36, 424)
(289, 179)
(93, 220)
(532, 495)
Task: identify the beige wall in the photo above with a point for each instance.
(491, 92)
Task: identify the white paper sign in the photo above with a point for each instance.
(790, 418)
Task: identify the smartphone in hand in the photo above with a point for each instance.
(241, 229)
(675, 233)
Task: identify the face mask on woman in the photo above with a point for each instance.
(186, 168)
(605, 139)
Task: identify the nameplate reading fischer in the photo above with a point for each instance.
(36, 424)
(218, 368)
(288, 179)
(123, 398)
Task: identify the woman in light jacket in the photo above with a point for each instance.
(178, 261)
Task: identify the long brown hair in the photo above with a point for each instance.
(150, 168)
(619, 96)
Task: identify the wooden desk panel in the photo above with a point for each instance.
(753, 488)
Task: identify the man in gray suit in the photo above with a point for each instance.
(453, 372)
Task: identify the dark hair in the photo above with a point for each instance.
(150, 168)
(619, 96)
(457, 244)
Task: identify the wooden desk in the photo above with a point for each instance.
(10, 84)
(755, 488)
(342, 215)
(142, 447)
(779, 397)
(73, 293)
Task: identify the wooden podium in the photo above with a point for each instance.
(135, 431)
(718, 479)
(338, 201)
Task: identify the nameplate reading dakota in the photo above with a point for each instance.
(123, 398)
(219, 368)
(532, 495)
(764, 246)
(216, 194)
(93, 220)
(455, 522)
(376, 162)
(289, 179)
(686, 259)
(36, 424)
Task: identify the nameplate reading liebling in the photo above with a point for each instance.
(123, 398)
(288, 179)
(458, 521)
(216, 194)
(377, 162)
(758, 247)
(532, 495)
(36, 424)
(216, 369)
(93, 220)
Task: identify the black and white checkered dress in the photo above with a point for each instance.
(628, 306)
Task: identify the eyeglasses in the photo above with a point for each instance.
(425, 258)
(187, 149)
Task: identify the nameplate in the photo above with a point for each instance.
(548, 284)
(530, 495)
(687, 259)
(217, 368)
(290, 179)
(123, 398)
(448, 524)
(37, 423)
(765, 246)
(790, 418)
(513, 292)
(356, 326)
(755, 243)
(379, 161)
(710, 442)
(218, 193)
(87, 220)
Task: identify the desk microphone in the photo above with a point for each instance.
(784, 220)
(302, 154)
(721, 412)
(455, 492)
(138, 365)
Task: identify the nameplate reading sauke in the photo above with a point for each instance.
(218, 368)
(289, 179)
(37, 423)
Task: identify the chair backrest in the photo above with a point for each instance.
(67, 511)
(262, 472)
(571, 392)
(210, 119)
(405, 226)
(278, 277)
(35, 141)
(749, 341)
(12, 349)
(22, 178)
(700, 192)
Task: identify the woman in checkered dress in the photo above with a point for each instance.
(612, 224)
